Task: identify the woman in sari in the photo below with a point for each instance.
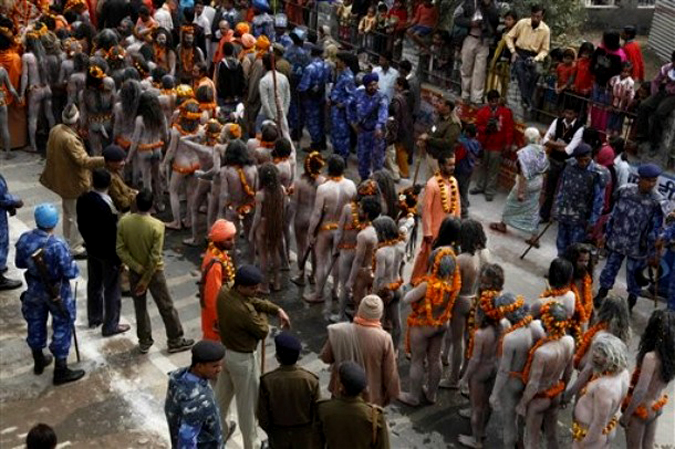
(522, 205)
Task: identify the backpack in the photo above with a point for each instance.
(230, 82)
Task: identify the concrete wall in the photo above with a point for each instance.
(616, 17)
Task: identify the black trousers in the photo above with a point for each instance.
(103, 293)
(552, 178)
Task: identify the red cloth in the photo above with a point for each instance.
(634, 55)
(503, 138)
(213, 282)
(583, 79)
(401, 14)
(426, 16)
(564, 73)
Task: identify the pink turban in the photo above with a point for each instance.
(222, 230)
(247, 41)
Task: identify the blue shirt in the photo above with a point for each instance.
(343, 89)
(285, 40)
(7, 200)
(315, 76)
(61, 267)
(298, 58)
(581, 194)
(370, 112)
(191, 412)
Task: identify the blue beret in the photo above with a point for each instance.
(583, 149)
(248, 276)
(352, 377)
(207, 351)
(287, 342)
(649, 171)
(114, 153)
(369, 78)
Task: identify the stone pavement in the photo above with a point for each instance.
(119, 404)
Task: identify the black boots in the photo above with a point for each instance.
(9, 284)
(632, 299)
(41, 361)
(602, 294)
(63, 374)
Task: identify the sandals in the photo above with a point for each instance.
(498, 227)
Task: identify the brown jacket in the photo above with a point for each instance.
(67, 171)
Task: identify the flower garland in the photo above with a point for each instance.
(586, 341)
(445, 200)
(391, 242)
(335, 178)
(183, 132)
(521, 324)
(485, 297)
(314, 156)
(437, 289)
(585, 298)
(553, 292)
(641, 411)
(228, 266)
(244, 184)
(187, 56)
(486, 303)
(579, 433)
(552, 392)
(278, 160)
(356, 223)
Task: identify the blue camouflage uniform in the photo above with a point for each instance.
(36, 301)
(263, 24)
(298, 58)
(313, 87)
(578, 204)
(341, 97)
(668, 237)
(191, 412)
(369, 113)
(7, 202)
(631, 232)
(285, 40)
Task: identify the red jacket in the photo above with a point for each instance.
(499, 138)
(634, 54)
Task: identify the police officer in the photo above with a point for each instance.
(37, 303)
(298, 58)
(348, 421)
(312, 87)
(287, 399)
(632, 231)
(8, 205)
(340, 98)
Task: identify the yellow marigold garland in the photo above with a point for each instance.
(445, 198)
(228, 266)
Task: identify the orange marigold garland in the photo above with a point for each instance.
(586, 341)
(183, 132)
(437, 289)
(244, 183)
(445, 198)
(641, 410)
(486, 297)
(521, 324)
(228, 266)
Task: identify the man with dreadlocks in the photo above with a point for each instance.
(431, 301)
(473, 258)
(360, 278)
(303, 198)
(78, 78)
(283, 158)
(183, 159)
(579, 254)
(35, 83)
(229, 132)
(482, 365)
(96, 105)
(208, 152)
(238, 184)
(560, 275)
(261, 150)
(595, 413)
(349, 227)
(388, 261)
(125, 113)
(654, 371)
(547, 370)
(148, 140)
(6, 89)
(267, 229)
(188, 54)
(331, 197)
(612, 319)
(512, 350)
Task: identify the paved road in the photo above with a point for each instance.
(120, 401)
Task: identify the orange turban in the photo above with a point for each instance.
(247, 41)
(242, 28)
(222, 230)
(262, 43)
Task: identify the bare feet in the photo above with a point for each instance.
(408, 399)
(465, 413)
(447, 383)
(190, 242)
(499, 227)
(299, 280)
(174, 225)
(312, 298)
(469, 441)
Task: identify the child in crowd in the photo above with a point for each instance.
(397, 19)
(546, 96)
(367, 27)
(634, 53)
(345, 18)
(623, 93)
(466, 154)
(438, 61)
(500, 66)
(423, 22)
(582, 79)
(381, 37)
(564, 73)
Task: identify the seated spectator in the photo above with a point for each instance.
(655, 110)
(424, 22)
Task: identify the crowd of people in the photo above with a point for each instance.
(217, 122)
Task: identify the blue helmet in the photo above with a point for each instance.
(46, 216)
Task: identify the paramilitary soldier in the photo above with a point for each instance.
(287, 401)
(49, 269)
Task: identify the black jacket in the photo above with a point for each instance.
(97, 223)
(489, 23)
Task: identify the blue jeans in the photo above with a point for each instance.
(526, 74)
(569, 234)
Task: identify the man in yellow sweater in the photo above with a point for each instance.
(140, 244)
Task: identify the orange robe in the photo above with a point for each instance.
(11, 61)
(212, 285)
(432, 217)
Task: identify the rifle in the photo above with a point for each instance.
(55, 294)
